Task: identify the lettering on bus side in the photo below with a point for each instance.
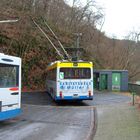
(74, 85)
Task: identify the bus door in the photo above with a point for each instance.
(9, 87)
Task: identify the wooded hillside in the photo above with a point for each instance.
(23, 38)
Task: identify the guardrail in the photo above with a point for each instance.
(134, 89)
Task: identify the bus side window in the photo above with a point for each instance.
(51, 75)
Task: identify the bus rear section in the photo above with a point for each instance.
(10, 87)
(75, 83)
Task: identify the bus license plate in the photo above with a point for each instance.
(75, 96)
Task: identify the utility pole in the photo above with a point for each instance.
(33, 5)
(137, 37)
(78, 35)
(76, 50)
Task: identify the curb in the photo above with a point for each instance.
(93, 126)
(33, 92)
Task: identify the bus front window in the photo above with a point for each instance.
(8, 76)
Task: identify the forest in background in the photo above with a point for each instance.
(23, 39)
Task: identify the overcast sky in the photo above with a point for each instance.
(121, 16)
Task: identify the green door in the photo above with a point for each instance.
(96, 81)
(116, 81)
(103, 82)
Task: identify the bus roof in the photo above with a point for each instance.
(7, 59)
(70, 64)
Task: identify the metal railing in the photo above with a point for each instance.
(134, 90)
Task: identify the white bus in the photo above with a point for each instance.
(70, 80)
(10, 86)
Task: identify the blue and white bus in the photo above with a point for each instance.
(70, 80)
(10, 86)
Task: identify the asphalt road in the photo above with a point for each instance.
(100, 98)
(49, 123)
(43, 119)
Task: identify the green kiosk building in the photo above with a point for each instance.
(111, 80)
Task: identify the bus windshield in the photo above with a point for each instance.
(75, 73)
(8, 76)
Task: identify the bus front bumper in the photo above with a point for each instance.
(74, 98)
(9, 114)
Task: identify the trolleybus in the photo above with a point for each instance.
(70, 80)
(10, 86)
